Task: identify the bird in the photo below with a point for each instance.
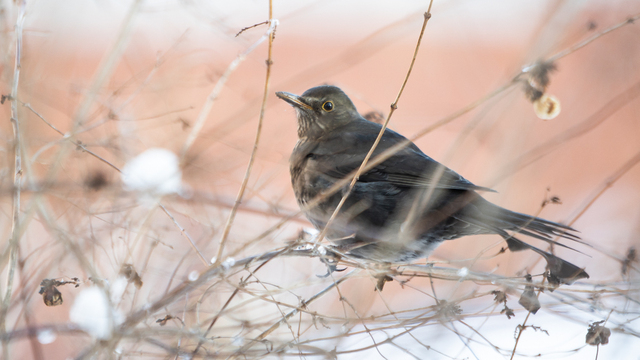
(401, 209)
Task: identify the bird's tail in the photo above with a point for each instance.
(500, 220)
(560, 270)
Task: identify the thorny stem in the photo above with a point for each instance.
(17, 178)
(394, 106)
(225, 234)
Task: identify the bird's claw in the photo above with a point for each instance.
(332, 264)
(331, 268)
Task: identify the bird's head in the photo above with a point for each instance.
(321, 109)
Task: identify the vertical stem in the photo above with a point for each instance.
(245, 180)
(17, 180)
(394, 106)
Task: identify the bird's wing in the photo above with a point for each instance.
(409, 167)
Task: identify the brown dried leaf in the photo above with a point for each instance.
(499, 296)
(508, 312)
(131, 275)
(598, 334)
(164, 320)
(50, 294)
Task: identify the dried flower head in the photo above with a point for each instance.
(546, 107)
(537, 79)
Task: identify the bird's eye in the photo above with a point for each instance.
(327, 106)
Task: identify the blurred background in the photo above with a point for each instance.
(119, 78)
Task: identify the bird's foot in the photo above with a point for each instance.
(330, 259)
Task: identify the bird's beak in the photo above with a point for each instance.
(293, 99)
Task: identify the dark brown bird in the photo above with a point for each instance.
(400, 210)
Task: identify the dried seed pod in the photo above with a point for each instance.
(547, 107)
(50, 294)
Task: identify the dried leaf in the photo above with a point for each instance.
(50, 294)
(499, 296)
(131, 275)
(598, 334)
(164, 320)
(538, 79)
(528, 299)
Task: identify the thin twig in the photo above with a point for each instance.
(107, 65)
(524, 323)
(255, 25)
(394, 106)
(594, 37)
(226, 304)
(304, 304)
(170, 297)
(521, 327)
(186, 235)
(590, 123)
(17, 178)
(77, 143)
(604, 186)
(83, 147)
(105, 70)
(208, 105)
(608, 183)
(245, 180)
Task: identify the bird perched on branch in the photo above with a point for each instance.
(401, 208)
